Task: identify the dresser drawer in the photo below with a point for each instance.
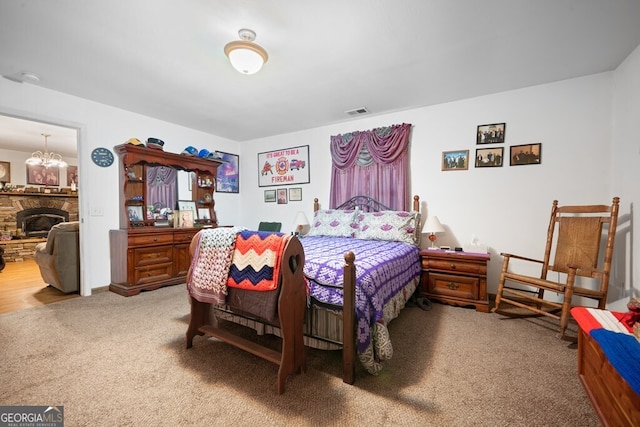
(185, 237)
(152, 255)
(457, 265)
(153, 273)
(453, 286)
(150, 239)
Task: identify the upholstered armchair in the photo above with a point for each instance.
(59, 257)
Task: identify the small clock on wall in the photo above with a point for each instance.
(102, 157)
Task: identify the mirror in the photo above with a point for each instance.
(162, 187)
(185, 180)
(165, 186)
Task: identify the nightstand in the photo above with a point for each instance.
(457, 278)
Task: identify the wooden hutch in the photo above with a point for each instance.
(148, 253)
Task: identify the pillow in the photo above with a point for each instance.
(334, 223)
(397, 226)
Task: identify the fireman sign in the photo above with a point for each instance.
(282, 167)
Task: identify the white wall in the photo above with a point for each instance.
(506, 207)
(626, 176)
(583, 161)
(103, 126)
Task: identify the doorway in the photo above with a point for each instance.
(21, 136)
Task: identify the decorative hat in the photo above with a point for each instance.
(190, 151)
(155, 143)
(204, 153)
(134, 141)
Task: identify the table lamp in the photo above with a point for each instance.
(432, 226)
(300, 222)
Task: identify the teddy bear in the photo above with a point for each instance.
(632, 318)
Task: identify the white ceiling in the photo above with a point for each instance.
(165, 58)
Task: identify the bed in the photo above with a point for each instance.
(362, 265)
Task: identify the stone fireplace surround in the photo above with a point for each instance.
(12, 203)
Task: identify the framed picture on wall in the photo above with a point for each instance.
(228, 177)
(5, 172)
(39, 175)
(269, 196)
(489, 157)
(282, 196)
(284, 166)
(455, 160)
(527, 154)
(491, 134)
(72, 175)
(295, 194)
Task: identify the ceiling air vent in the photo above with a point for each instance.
(357, 111)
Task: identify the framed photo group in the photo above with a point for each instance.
(282, 197)
(492, 156)
(42, 175)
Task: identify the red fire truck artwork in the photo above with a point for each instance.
(266, 169)
(296, 164)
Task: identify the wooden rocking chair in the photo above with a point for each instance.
(575, 236)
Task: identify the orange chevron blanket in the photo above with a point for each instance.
(255, 264)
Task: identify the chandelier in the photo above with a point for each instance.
(245, 56)
(46, 159)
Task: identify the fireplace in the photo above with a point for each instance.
(36, 222)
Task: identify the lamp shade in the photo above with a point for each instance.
(245, 56)
(432, 225)
(300, 222)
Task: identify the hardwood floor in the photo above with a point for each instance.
(21, 287)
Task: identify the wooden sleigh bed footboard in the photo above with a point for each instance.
(291, 304)
(291, 312)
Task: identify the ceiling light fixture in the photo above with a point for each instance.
(246, 56)
(46, 159)
(23, 77)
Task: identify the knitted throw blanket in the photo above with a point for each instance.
(256, 260)
(207, 279)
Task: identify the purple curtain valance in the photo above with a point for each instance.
(384, 145)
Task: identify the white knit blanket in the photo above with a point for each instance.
(207, 279)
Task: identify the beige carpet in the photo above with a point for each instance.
(117, 361)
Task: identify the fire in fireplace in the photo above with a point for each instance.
(36, 222)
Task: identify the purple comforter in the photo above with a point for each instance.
(382, 270)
